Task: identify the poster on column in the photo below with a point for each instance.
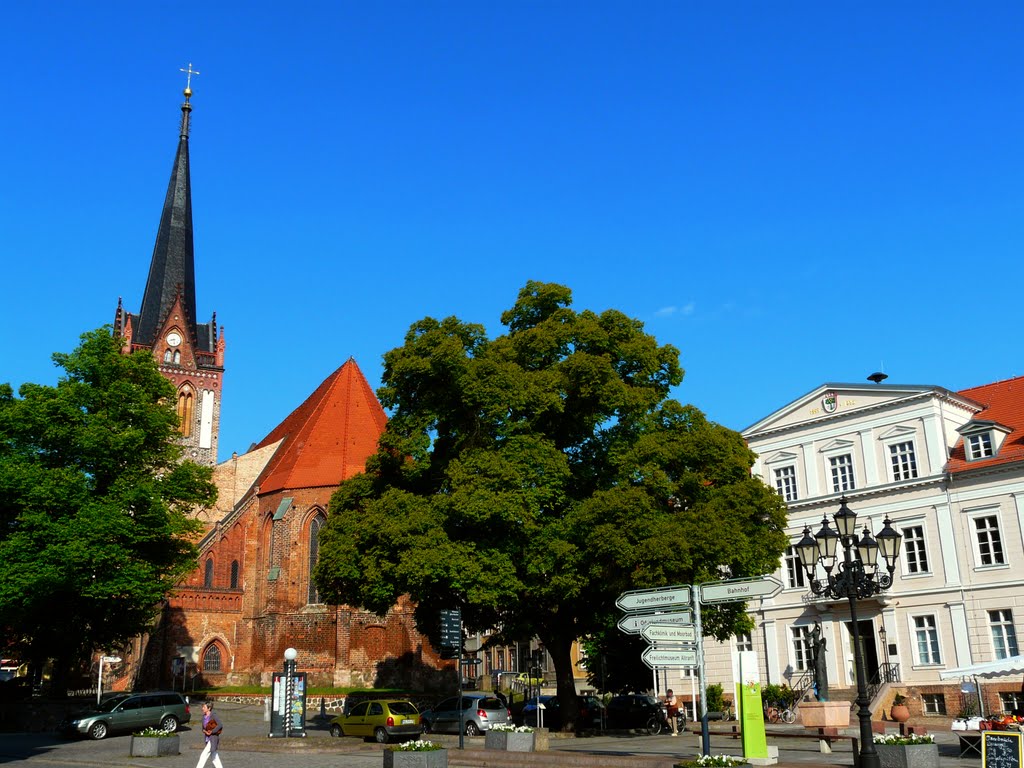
(288, 708)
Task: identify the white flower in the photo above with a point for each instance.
(897, 739)
(416, 746)
(509, 728)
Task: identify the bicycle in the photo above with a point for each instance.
(659, 721)
(775, 713)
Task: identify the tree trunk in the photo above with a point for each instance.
(560, 650)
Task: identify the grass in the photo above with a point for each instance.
(259, 690)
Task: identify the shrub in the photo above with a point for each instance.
(713, 696)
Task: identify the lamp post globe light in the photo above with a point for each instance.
(855, 578)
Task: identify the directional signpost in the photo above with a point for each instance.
(669, 619)
(674, 658)
(739, 589)
(654, 599)
(634, 623)
(666, 635)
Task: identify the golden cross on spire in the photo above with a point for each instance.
(190, 71)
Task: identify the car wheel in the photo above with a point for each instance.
(380, 735)
(98, 731)
(169, 724)
(335, 730)
(472, 729)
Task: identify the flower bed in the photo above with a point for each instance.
(416, 754)
(510, 738)
(913, 751)
(713, 761)
(153, 742)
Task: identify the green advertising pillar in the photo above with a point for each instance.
(751, 711)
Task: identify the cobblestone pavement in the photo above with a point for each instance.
(245, 745)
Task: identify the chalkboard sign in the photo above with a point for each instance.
(1001, 749)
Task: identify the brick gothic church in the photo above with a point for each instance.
(251, 596)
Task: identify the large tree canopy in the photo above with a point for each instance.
(530, 479)
(94, 505)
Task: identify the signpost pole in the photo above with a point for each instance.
(705, 734)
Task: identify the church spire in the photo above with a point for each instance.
(172, 268)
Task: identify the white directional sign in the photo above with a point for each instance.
(739, 589)
(634, 623)
(653, 599)
(672, 657)
(667, 634)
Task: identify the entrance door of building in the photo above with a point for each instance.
(868, 647)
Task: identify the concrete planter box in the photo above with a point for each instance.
(908, 755)
(510, 742)
(155, 746)
(824, 714)
(437, 758)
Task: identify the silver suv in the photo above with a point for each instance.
(479, 713)
(131, 712)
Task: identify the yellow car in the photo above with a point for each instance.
(525, 679)
(380, 719)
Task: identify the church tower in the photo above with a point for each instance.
(190, 354)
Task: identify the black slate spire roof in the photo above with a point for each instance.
(172, 269)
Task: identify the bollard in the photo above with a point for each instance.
(266, 709)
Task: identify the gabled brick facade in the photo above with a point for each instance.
(250, 597)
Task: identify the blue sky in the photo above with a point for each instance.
(790, 193)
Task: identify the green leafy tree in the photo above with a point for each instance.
(94, 504)
(531, 478)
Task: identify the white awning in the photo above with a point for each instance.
(1014, 665)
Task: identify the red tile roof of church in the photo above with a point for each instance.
(1003, 403)
(329, 437)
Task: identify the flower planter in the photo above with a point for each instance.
(908, 755)
(437, 758)
(900, 713)
(155, 746)
(824, 714)
(510, 741)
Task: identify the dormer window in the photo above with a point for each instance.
(982, 439)
(979, 446)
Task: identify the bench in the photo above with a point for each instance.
(825, 737)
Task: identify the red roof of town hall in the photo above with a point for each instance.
(1003, 404)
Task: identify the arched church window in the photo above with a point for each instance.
(186, 410)
(234, 574)
(177, 357)
(270, 542)
(167, 355)
(212, 658)
(208, 574)
(313, 595)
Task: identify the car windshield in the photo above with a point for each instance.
(490, 704)
(108, 705)
(402, 708)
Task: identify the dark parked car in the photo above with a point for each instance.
(131, 712)
(632, 710)
(589, 713)
(479, 712)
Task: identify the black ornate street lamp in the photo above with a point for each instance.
(856, 578)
